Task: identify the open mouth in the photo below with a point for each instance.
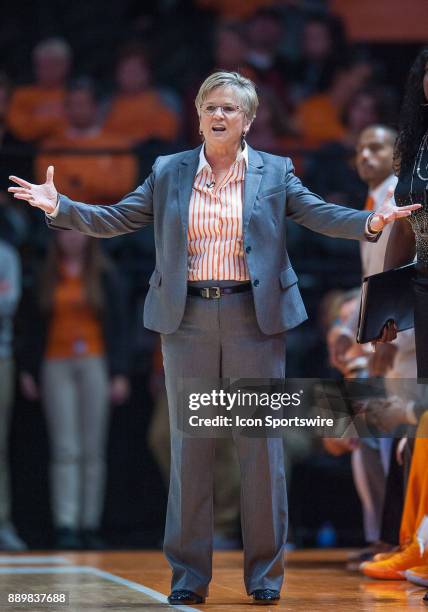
(218, 128)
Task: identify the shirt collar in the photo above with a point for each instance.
(379, 193)
(243, 154)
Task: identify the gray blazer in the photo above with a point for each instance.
(271, 192)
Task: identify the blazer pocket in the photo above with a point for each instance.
(155, 279)
(272, 191)
(287, 277)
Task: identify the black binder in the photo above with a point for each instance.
(384, 296)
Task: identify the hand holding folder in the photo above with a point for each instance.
(384, 297)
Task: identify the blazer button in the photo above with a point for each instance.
(248, 249)
(256, 282)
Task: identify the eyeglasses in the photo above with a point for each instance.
(227, 109)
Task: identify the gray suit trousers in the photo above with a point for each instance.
(221, 339)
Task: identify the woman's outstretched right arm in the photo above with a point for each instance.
(134, 211)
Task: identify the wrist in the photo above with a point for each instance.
(375, 223)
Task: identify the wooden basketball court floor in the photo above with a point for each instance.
(125, 581)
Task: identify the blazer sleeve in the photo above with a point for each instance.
(310, 210)
(133, 212)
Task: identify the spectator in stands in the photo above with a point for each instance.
(229, 52)
(323, 51)
(264, 33)
(74, 356)
(140, 111)
(273, 126)
(231, 49)
(105, 168)
(37, 110)
(13, 225)
(374, 157)
(331, 171)
(10, 289)
(320, 117)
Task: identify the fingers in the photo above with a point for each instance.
(384, 336)
(398, 213)
(400, 450)
(411, 207)
(389, 332)
(20, 181)
(17, 190)
(20, 193)
(404, 211)
(389, 335)
(24, 196)
(50, 175)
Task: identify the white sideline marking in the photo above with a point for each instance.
(86, 569)
(12, 560)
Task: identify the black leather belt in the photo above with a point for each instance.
(214, 293)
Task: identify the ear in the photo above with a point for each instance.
(247, 125)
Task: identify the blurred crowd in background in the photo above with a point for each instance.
(99, 93)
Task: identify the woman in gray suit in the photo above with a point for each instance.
(222, 296)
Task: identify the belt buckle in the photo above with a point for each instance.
(211, 293)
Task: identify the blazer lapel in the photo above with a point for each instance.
(253, 177)
(186, 176)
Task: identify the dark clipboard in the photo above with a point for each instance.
(385, 296)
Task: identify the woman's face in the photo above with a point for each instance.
(425, 82)
(222, 119)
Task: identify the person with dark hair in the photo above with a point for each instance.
(37, 110)
(139, 111)
(91, 162)
(222, 295)
(264, 31)
(332, 169)
(406, 239)
(324, 49)
(320, 118)
(13, 223)
(73, 355)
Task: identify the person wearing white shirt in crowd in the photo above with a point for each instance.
(397, 360)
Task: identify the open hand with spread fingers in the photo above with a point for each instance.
(388, 213)
(41, 196)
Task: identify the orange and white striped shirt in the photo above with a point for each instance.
(215, 237)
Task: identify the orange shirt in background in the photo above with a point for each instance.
(139, 117)
(36, 112)
(97, 177)
(318, 120)
(75, 330)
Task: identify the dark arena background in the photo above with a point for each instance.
(99, 90)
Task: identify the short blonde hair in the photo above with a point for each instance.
(244, 87)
